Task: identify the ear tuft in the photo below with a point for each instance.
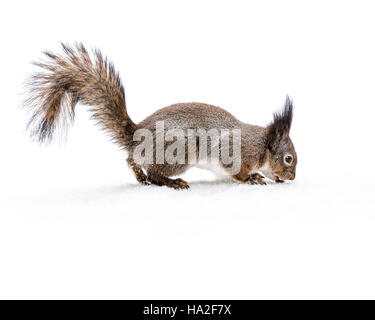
(283, 120)
(281, 123)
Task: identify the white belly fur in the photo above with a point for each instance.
(214, 167)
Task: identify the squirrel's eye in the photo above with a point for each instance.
(288, 159)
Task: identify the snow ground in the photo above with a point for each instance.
(73, 222)
(113, 238)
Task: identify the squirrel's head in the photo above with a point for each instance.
(281, 158)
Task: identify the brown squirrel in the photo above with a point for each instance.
(74, 77)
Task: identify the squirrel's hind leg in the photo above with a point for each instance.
(159, 174)
(138, 172)
(154, 176)
(161, 180)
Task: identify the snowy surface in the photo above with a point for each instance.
(113, 238)
(73, 221)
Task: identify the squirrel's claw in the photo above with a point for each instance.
(256, 178)
(180, 184)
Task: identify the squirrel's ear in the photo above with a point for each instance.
(280, 125)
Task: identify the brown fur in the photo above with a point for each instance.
(75, 77)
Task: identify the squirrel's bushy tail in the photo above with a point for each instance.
(71, 78)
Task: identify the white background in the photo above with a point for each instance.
(75, 224)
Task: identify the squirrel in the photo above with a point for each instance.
(76, 76)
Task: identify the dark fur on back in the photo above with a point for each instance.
(71, 78)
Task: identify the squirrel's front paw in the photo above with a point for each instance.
(256, 178)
